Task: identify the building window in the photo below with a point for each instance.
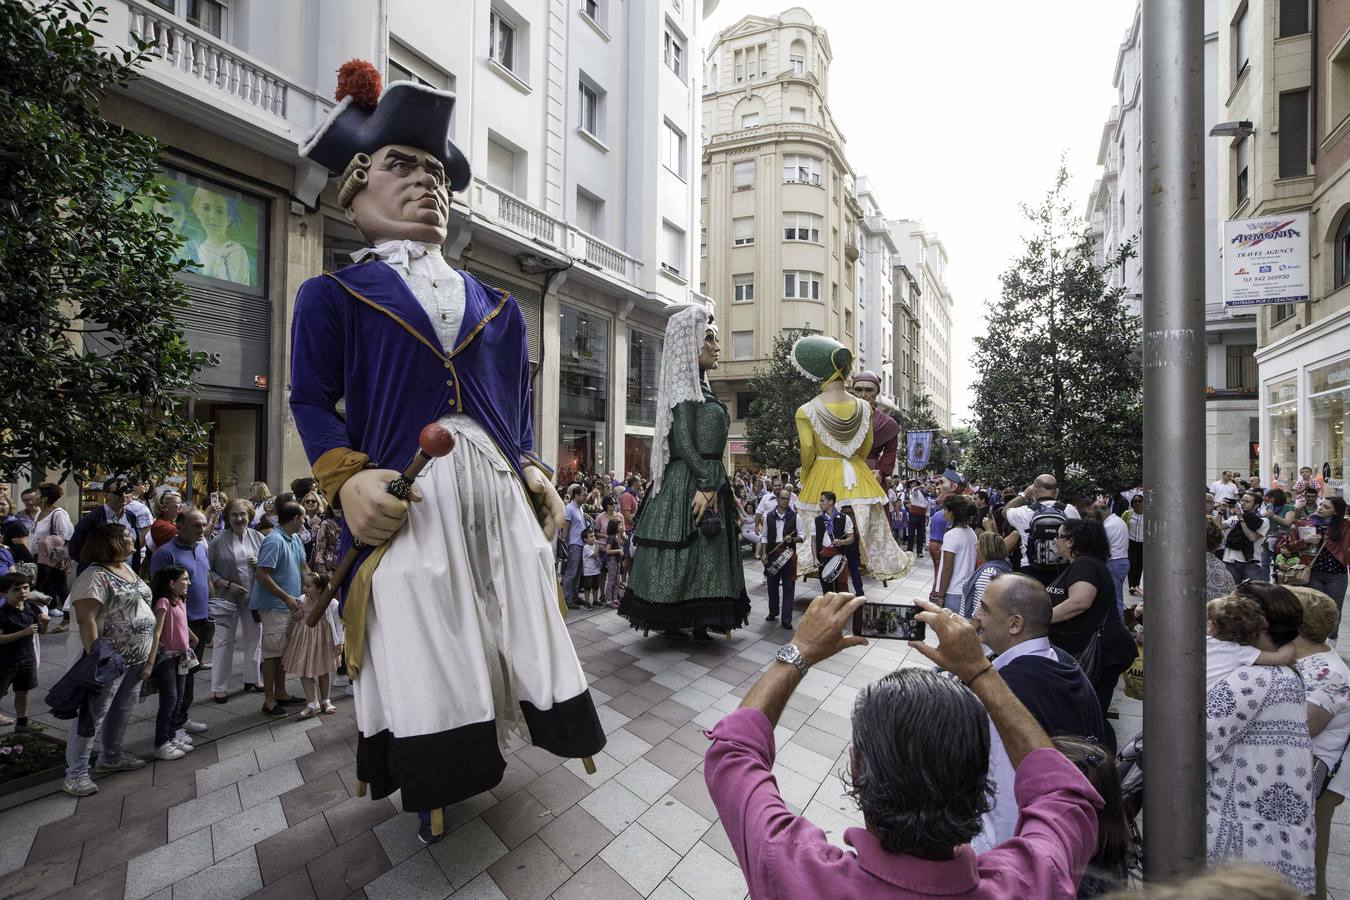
(644, 376)
(583, 393)
(1293, 17)
(848, 324)
(799, 169)
(1240, 184)
(592, 10)
(208, 15)
(405, 65)
(750, 120)
(1241, 368)
(797, 58)
(1341, 253)
(1338, 86)
(502, 41)
(1240, 38)
(743, 401)
(743, 232)
(703, 188)
(591, 106)
(673, 151)
(504, 165)
(743, 287)
(743, 175)
(800, 226)
(1294, 134)
(672, 249)
(796, 114)
(672, 53)
(742, 345)
(590, 213)
(801, 285)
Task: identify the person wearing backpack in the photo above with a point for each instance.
(1246, 531)
(1035, 517)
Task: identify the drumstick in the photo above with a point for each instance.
(434, 441)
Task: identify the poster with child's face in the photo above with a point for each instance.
(220, 230)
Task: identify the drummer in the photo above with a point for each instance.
(780, 534)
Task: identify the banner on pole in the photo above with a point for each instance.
(920, 448)
(1265, 260)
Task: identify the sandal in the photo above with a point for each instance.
(329, 708)
(309, 712)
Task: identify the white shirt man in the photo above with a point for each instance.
(1020, 517)
(1225, 489)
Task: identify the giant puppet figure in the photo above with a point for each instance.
(885, 430)
(452, 619)
(836, 436)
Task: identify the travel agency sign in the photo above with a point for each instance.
(1265, 260)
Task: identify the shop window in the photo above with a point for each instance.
(1282, 427)
(644, 373)
(583, 395)
(1329, 404)
(221, 232)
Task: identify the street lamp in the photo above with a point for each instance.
(1241, 129)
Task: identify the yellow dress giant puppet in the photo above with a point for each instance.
(835, 432)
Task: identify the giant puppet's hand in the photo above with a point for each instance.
(372, 513)
(548, 506)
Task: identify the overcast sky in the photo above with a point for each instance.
(958, 112)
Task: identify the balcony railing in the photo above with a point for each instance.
(505, 209)
(194, 52)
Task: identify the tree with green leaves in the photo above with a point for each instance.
(96, 367)
(1058, 384)
(778, 389)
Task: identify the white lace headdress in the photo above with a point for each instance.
(681, 379)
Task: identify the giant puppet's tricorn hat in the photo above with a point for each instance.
(366, 120)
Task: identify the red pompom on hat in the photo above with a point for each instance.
(360, 80)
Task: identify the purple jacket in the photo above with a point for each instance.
(784, 855)
(360, 336)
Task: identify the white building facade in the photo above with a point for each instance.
(1115, 216)
(923, 255)
(876, 255)
(579, 120)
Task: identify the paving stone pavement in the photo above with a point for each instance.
(269, 808)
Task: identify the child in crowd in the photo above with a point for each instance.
(169, 656)
(1232, 626)
(613, 562)
(590, 569)
(1107, 871)
(20, 621)
(310, 654)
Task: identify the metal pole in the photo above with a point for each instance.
(1174, 436)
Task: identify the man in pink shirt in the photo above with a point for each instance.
(920, 761)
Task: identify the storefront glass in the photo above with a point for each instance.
(1282, 424)
(1329, 405)
(644, 375)
(222, 232)
(583, 395)
(637, 455)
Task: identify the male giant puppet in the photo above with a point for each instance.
(452, 618)
(885, 430)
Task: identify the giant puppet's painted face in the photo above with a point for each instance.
(406, 197)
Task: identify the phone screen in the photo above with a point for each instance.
(890, 621)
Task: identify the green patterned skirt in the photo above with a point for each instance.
(680, 578)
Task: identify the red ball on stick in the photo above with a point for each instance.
(436, 440)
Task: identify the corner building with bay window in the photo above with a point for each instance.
(780, 216)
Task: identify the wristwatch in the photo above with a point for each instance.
(790, 653)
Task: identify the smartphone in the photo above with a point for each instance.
(892, 621)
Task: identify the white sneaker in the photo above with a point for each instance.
(168, 750)
(192, 726)
(80, 787)
(186, 748)
(182, 737)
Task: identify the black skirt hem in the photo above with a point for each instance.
(715, 613)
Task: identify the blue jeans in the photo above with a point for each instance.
(170, 685)
(112, 710)
(1244, 571)
(1333, 586)
(572, 575)
(1119, 569)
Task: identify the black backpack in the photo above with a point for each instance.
(1042, 551)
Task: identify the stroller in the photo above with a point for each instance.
(1130, 768)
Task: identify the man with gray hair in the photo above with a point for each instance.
(1014, 621)
(1035, 516)
(918, 770)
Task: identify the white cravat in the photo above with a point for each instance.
(439, 288)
